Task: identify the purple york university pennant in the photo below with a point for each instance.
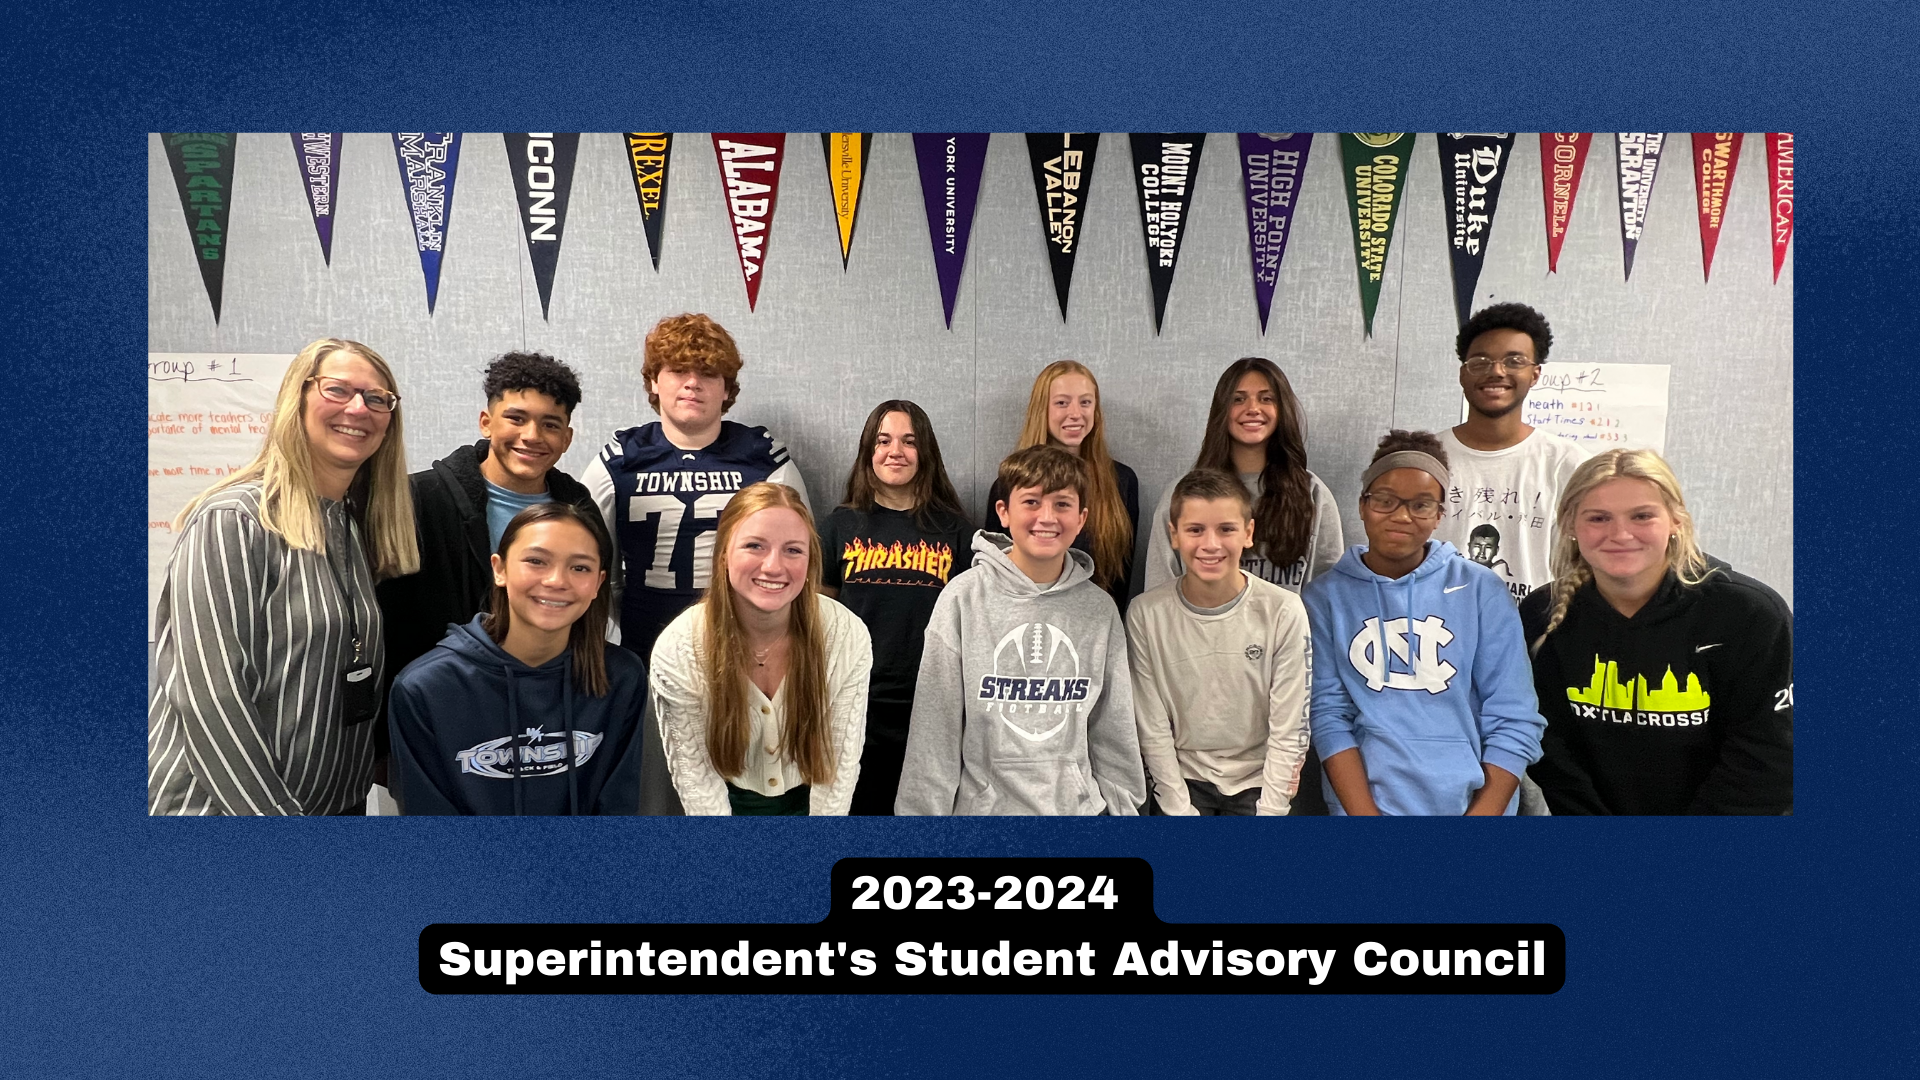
(1639, 164)
(950, 168)
(1062, 173)
(318, 153)
(427, 163)
(542, 166)
(1164, 167)
(1272, 164)
(1472, 164)
(202, 164)
(647, 154)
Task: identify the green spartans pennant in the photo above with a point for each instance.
(202, 164)
(1375, 167)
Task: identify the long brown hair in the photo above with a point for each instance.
(1570, 569)
(808, 741)
(931, 489)
(1283, 513)
(1107, 521)
(289, 505)
(588, 635)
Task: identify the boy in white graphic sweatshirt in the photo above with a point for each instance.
(1024, 703)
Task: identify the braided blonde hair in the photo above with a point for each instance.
(1570, 570)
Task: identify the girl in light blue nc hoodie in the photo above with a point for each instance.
(1422, 697)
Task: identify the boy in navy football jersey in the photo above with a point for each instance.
(661, 487)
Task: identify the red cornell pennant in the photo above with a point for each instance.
(1780, 204)
(1563, 157)
(750, 169)
(1715, 153)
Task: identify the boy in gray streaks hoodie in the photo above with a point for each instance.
(1025, 703)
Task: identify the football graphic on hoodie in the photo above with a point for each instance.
(1036, 683)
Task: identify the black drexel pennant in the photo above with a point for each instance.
(542, 167)
(1164, 167)
(202, 164)
(1062, 174)
(647, 154)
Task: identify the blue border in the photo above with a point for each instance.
(163, 948)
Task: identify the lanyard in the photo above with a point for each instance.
(347, 596)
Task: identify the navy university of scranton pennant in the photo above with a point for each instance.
(750, 171)
(1715, 156)
(1374, 165)
(1472, 164)
(951, 164)
(1164, 168)
(202, 164)
(1563, 157)
(847, 153)
(318, 154)
(542, 167)
(1062, 174)
(1639, 164)
(647, 154)
(1780, 194)
(428, 161)
(1272, 165)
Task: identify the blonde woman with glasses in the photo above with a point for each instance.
(269, 642)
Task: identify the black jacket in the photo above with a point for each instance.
(1685, 708)
(455, 581)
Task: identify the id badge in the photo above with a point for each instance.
(359, 691)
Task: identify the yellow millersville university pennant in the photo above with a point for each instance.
(847, 153)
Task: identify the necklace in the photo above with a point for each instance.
(760, 656)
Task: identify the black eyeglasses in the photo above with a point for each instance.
(342, 393)
(1422, 507)
(1510, 364)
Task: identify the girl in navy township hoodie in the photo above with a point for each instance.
(526, 709)
(1422, 697)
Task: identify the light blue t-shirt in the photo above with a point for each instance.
(502, 505)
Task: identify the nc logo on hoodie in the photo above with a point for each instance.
(538, 753)
(1430, 673)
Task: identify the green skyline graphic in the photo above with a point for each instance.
(1606, 690)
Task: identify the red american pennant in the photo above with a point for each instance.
(1780, 195)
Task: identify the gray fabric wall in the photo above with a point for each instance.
(825, 344)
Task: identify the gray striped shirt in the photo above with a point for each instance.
(245, 714)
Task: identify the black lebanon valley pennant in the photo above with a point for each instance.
(1062, 174)
(1164, 167)
(542, 166)
(202, 164)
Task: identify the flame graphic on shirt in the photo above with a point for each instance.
(860, 556)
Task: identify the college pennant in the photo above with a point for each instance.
(1062, 174)
(647, 153)
(1563, 157)
(1272, 164)
(1780, 203)
(318, 153)
(1472, 165)
(1374, 165)
(847, 153)
(950, 168)
(427, 163)
(1639, 163)
(1164, 167)
(202, 164)
(750, 169)
(542, 167)
(1715, 155)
